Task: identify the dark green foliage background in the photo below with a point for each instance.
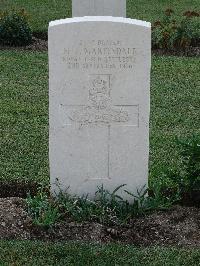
(41, 12)
(15, 29)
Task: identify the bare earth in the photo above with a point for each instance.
(179, 226)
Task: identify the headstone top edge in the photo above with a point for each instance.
(116, 8)
(100, 19)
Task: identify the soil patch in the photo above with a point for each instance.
(18, 189)
(36, 45)
(41, 44)
(179, 226)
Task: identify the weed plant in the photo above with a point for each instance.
(42, 209)
(107, 207)
(14, 28)
(168, 33)
(190, 153)
(185, 181)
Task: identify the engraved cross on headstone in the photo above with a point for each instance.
(115, 8)
(100, 112)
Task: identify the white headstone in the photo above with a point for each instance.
(115, 8)
(99, 103)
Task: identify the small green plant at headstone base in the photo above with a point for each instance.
(107, 208)
(14, 28)
(42, 209)
(169, 33)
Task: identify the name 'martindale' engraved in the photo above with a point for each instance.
(99, 54)
(100, 109)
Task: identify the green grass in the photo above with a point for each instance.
(38, 253)
(175, 112)
(175, 98)
(23, 116)
(43, 11)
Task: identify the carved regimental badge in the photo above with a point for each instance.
(99, 109)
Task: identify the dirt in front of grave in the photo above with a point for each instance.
(179, 226)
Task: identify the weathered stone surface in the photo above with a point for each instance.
(115, 8)
(99, 103)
